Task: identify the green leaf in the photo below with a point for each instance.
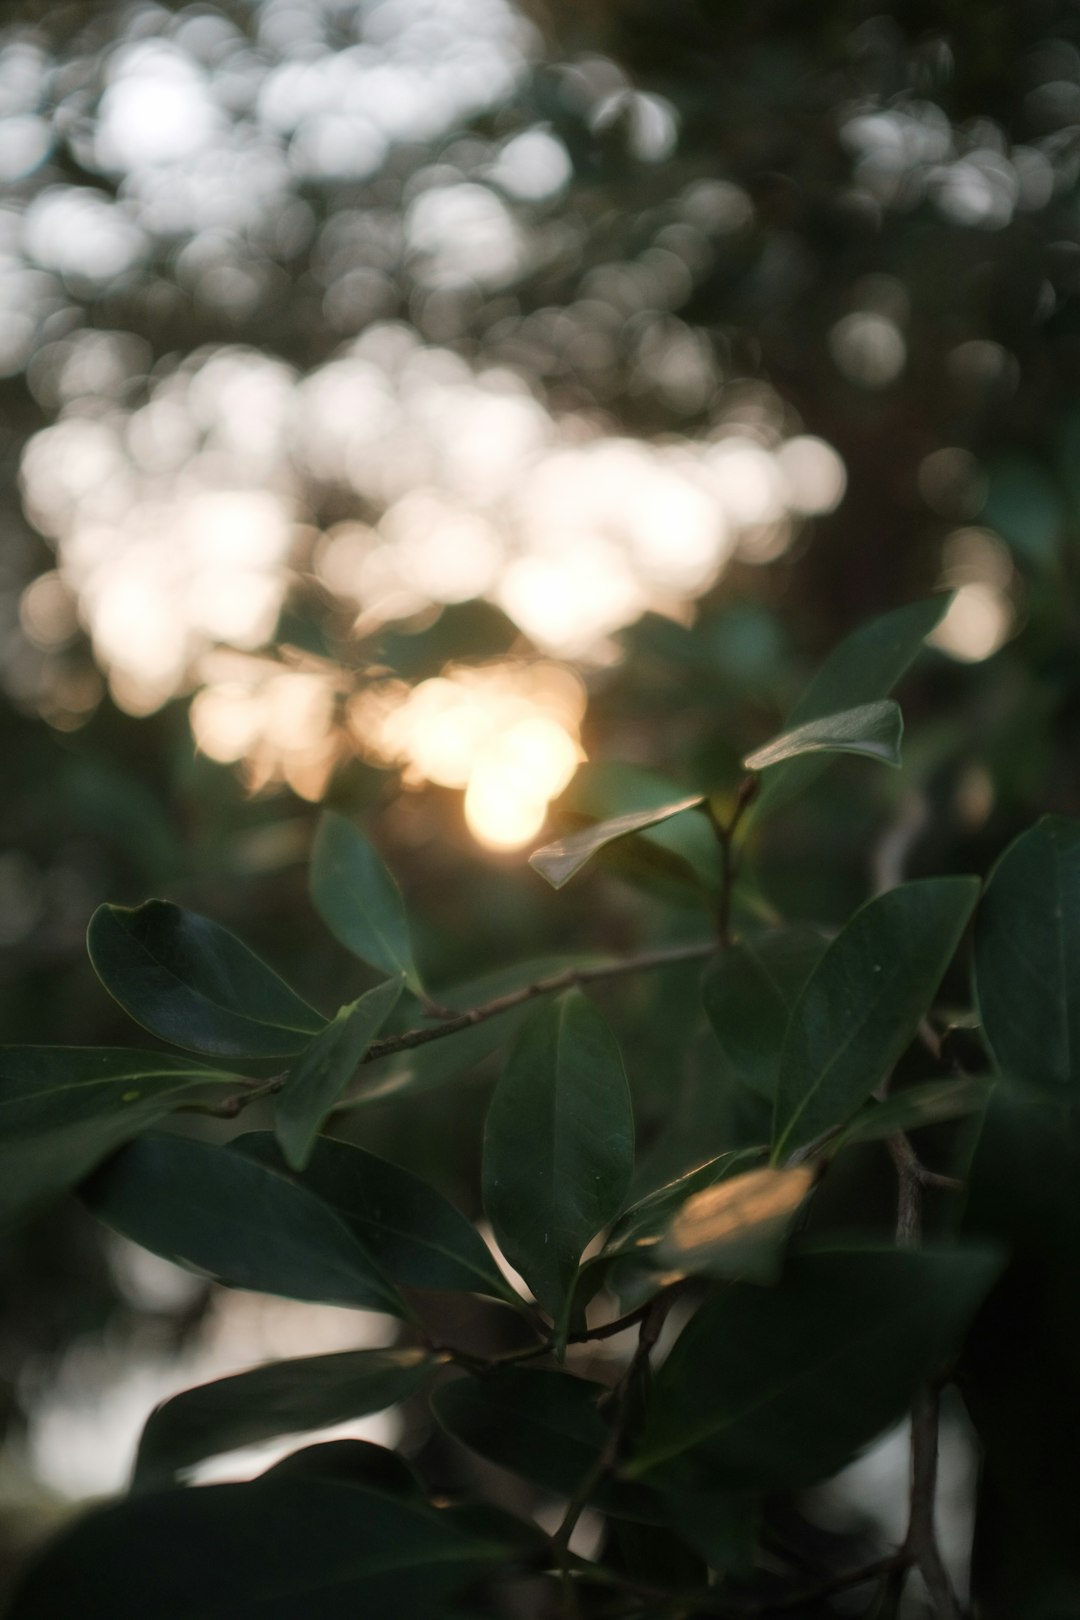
(1027, 958)
(872, 729)
(358, 900)
(548, 1428)
(222, 1214)
(931, 1103)
(273, 1549)
(558, 1146)
(675, 859)
(735, 1229)
(65, 1108)
(749, 991)
(415, 1234)
(193, 983)
(781, 1387)
(862, 1005)
(316, 1082)
(284, 1397)
(544, 1425)
(559, 860)
(863, 667)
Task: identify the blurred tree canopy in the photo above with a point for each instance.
(382, 377)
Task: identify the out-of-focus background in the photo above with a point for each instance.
(427, 406)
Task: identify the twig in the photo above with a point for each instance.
(568, 979)
(920, 1544)
(725, 837)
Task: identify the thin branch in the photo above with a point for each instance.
(920, 1543)
(725, 837)
(568, 979)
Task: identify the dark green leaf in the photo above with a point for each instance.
(324, 1070)
(65, 1108)
(275, 1549)
(195, 984)
(749, 991)
(558, 1146)
(285, 1397)
(357, 1462)
(1027, 958)
(780, 1387)
(358, 900)
(871, 729)
(863, 1004)
(559, 861)
(928, 1104)
(416, 1235)
(864, 666)
(544, 1425)
(237, 1221)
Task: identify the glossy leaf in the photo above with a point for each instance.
(780, 1387)
(323, 1071)
(358, 899)
(870, 729)
(193, 983)
(233, 1219)
(65, 1108)
(273, 1549)
(544, 1425)
(558, 1146)
(735, 1229)
(1027, 958)
(560, 860)
(416, 1235)
(749, 991)
(863, 1003)
(930, 1103)
(676, 859)
(284, 1397)
(863, 667)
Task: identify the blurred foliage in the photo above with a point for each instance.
(771, 220)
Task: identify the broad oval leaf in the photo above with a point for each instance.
(416, 1235)
(284, 1397)
(735, 1229)
(780, 1387)
(358, 899)
(863, 667)
(1027, 958)
(65, 1108)
(233, 1219)
(325, 1068)
(559, 860)
(276, 1548)
(558, 1146)
(544, 1425)
(193, 983)
(749, 991)
(871, 729)
(863, 1004)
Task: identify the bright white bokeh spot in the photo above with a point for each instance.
(977, 622)
(814, 474)
(532, 166)
(81, 233)
(869, 349)
(157, 109)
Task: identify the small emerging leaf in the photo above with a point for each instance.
(193, 983)
(559, 860)
(324, 1070)
(735, 1229)
(872, 729)
(558, 1146)
(358, 899)
(284, 1397)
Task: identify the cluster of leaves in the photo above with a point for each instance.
(800, 1330)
